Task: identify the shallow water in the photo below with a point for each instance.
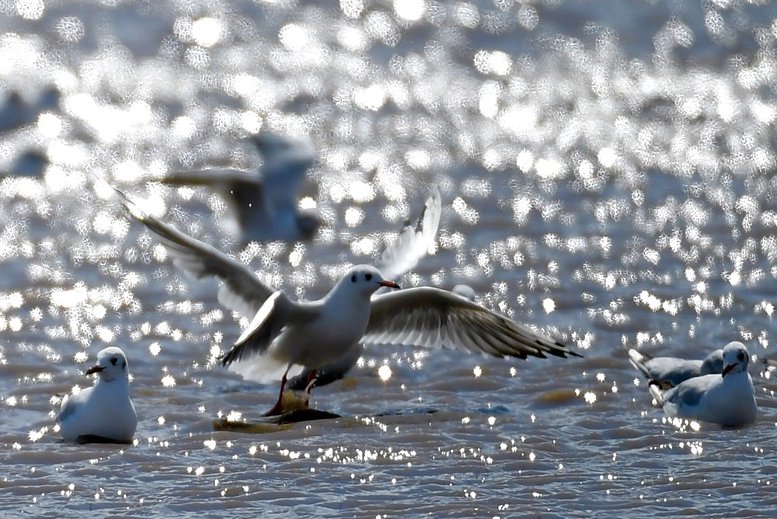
(606, 172)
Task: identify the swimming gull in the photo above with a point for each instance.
(103, 412)
(668, 372)
(727, 399)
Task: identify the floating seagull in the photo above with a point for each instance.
(668, 372)
(727, 399)
(103, 412)
(313, 334)
(265, 201)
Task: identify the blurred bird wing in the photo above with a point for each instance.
(243, 188)
(214, 177)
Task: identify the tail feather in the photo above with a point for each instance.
(658, 393)
(638, 360)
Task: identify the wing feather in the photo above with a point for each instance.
(266, 325)
(242, 291)
(432, 317)
(414, 241)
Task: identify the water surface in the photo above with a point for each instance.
(606, 172)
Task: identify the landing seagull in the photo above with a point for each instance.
(265, 201)
(103, 412)
(727, 399)
(401, 256)
(320, 332)
(668, 372)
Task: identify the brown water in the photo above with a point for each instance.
(606, 177)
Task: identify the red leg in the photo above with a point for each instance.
(309, 387)
(277, 409)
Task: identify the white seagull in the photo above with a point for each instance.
(402, 255)
(668, 372)
(313, 334)
(264, 201)
(103, 412)
(727, 399)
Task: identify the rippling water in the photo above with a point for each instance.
(607, 175)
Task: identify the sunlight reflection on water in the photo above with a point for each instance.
(605, 183)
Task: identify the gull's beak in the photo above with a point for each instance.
(389, 284)
(727, 368)
(94, 369)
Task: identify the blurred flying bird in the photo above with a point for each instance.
(264, 201)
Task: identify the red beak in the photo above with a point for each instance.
(389, 284)
(94, 369)
(727, 368)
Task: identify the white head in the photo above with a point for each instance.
(364, 280)
(735, 358)
(111, 365)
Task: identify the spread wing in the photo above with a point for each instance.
(431, 317)
(244, 188)
(264, 327)
(241, 291)
(413, 242)
(215, 177)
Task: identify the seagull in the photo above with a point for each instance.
(727, 399)
(265, 201)
(414, 241)
(103, 412)
(668, 372)
(313, 334)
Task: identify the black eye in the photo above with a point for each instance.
(368, 277)
(741, 355)
(114, 360)
(353, 278)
